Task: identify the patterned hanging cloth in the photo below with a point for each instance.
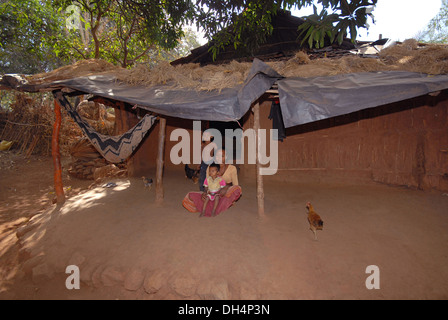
(114, 149)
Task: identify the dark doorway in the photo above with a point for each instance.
(221, 127)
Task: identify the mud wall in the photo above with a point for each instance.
(403, 144)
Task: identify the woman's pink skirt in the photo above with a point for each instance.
(193, 201)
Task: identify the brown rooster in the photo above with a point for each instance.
(314, 219)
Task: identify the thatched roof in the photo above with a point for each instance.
(407, 56)
(224, 92)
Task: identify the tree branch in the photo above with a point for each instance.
(132, 61)
(80, 52)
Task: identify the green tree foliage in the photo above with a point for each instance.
(248, 23)
(346, 18)
(32, 37)
(124, 32)
(241, 23)
(437, 29)
(39, 35)
(148, 28)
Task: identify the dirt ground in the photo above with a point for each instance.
(126, 247)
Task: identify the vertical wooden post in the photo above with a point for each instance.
(160, 161)
(58, 187)
(119, 126)
(260, 187)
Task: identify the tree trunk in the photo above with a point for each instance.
(97, 45)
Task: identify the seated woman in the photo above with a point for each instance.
(194, 201)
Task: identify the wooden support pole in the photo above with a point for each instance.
(58, 187)
(160, 161)
(260, 187)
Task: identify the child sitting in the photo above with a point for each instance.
(213, 184)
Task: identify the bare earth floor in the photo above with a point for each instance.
(126, 247)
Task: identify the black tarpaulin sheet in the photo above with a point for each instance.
(302, 100)
(180, 103)
(305, 100)
(229, 104)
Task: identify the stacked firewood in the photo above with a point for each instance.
(85, 169)
(88, 164)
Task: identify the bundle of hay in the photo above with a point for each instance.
(191, 76)
(412, 56)
(408, 56)
(79, 69)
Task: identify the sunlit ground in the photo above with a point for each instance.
(90, 198)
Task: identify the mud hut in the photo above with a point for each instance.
(401, 141)
(341, 115)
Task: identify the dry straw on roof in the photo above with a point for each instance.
(408, 56)
(79, 69)
(431, 59)
(191, 76)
